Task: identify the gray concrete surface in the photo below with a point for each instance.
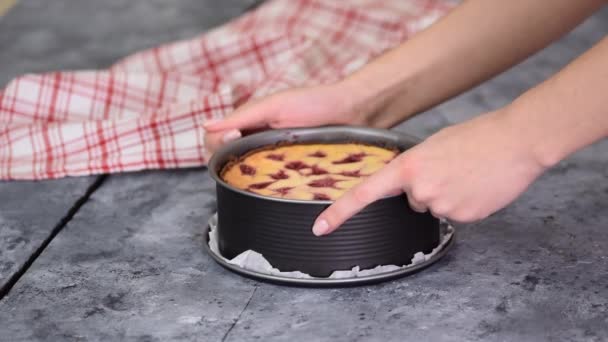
(29, 212)
(41, 36)
(130, 266)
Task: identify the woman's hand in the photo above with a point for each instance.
(303, 107)
(464, 172)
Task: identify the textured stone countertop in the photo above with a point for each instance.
(121, 258)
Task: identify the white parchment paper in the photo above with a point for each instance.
(254, 261)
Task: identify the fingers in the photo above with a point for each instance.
(415, 205)
(213, 141)
(249, 116)
(384, 182)
(244, 120)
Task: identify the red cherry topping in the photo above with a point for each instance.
(321, 197)
(352, 158)
(258, 186)
(279, 175)
(247, 170)
(277, 157)
(315, 170)
(283, 191)
(326, 182)
(356, 173)
(297, 165)
(318, 154)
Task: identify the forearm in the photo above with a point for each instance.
(566, 112)
(476, 41)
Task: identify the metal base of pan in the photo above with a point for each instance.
(327, 282)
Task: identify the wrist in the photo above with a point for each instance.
(360, 100)
(541, 142)
(375, 100)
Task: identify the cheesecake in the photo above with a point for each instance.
(306, 171)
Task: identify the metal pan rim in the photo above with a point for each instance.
(327, 282)
(227, 150)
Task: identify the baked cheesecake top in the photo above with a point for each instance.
(306, 171)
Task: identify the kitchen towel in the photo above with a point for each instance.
(147, 110)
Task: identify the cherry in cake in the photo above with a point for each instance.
(351, 158)
(306, 171)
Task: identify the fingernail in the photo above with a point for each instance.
(320, 227)
(206, 156)
(231, 135)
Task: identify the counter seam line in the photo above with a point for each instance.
(255, 288)
(4, 290)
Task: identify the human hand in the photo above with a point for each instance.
(464, 172)
(302, 107)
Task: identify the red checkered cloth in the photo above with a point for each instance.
(147, 111)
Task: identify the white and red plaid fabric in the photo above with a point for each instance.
(146, 111)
